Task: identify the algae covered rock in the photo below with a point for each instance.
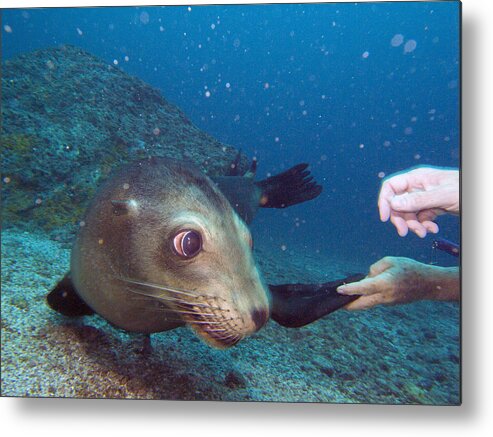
(69, 119)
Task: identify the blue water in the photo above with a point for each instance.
(319, 83)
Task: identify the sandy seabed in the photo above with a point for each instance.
(401, 354)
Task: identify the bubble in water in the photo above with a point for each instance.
(213, 26)
(365, 54)
(79, 32)
(283, 247)
(126, 58)
(189, 9)
(6, 179)
(410, 46)
(115, 61)
(144, 17)
(397, 40)
(228, 85)
(207, 93)
(381, 175)
(7, 28)
(266, 85)
(361, 146)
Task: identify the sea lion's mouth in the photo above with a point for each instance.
(215, 322)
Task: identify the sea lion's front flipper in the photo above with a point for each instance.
(296, 305)
(288, 188)
(65, 300)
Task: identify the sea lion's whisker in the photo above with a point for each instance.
(173, 299)
(168, 289)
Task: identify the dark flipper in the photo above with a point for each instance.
(64, 299)
(296, 305)
(235, 165)
(288, 188)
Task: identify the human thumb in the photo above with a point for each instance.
(414, 202)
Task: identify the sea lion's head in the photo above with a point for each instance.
(162, 246)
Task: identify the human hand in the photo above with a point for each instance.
(413, 199)
(397, 280)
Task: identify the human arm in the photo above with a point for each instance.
(397, 280)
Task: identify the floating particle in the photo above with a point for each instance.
(283, 247)
(365, 54)
(144, 17)
(126, 58)
(38, 201)
(414, 119)
(323, 157)
(228, 85)
(224, 149)
(410, 46)
(207, 93)
(115, 61)
(447, 139)
(126, 186)
(213, 26)
(304, 112)
(100, 241)
(7, 28)
(82, 223)
(237, 117)
(6, 179)
(408, 130)
(302, 103)
(79, 32)
(161, 29)
(435, 40)
(276, 139)
(236, 43)
(432, 111)
(266, 85)
(50, 64)
(386, 143)
(361, 146)
(189, 9)
(156, 131)
(397, 40)
(324, 96)
(381, 175)
(417, 156)
(452, 84)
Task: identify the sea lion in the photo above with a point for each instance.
(163, 245)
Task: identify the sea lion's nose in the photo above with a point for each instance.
(259, 317)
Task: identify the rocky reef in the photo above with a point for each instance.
(69, 119)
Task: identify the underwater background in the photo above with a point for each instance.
(358, 91)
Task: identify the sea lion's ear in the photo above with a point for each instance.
(123, 207)
(65, 300)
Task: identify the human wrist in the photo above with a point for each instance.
(442, 283)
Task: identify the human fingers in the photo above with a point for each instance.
(416, 201)
(400, 224)
(364, 303)
(380, 266)
(390, 188)
(366, 286)
(431, 227)
(417, 227)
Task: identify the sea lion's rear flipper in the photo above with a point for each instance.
(64, 299)
(288, 188)
(296, 305)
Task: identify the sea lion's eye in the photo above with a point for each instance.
(187, 243)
